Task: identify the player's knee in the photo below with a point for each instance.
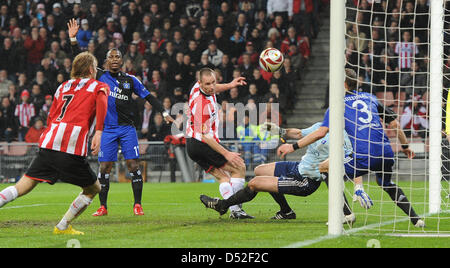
(264, 170)
(92, 190)
(259, 170)
(105, 167)
(132, 165)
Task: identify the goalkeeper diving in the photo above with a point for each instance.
(300, 178)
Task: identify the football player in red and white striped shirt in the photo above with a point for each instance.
(79, 105)
(202, 139)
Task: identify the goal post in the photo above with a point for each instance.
(336, 87)
(400, 51)
(435, 99)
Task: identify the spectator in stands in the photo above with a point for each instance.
(7, 113)
(45, 110)
(414, 120)
(147, 120)
(37, 98)
(406, 51)
(214, 54)
(167, 105)
(246, 67)
(56, 55)
(261, 84)
(8, 55)
(159, 129)
(302, 16)
(414, 82)
(253, 94)
(95, 19)
(13, 94)
(133, 55)
(35, 47)
(4, 83)
(275, 96)
(35, 131)
(357, 37)
(249, 50)
(158, 84)
(275, 37)
(42, 81)
(234, 96)
(24, 113)
(279, 7)
(226, 68)
(84, 34)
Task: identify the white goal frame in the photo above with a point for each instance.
(337, 74)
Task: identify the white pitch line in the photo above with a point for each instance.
(25, 206)
(351, 231)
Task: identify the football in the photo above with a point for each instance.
(271, 60)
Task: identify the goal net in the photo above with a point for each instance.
(400, 51)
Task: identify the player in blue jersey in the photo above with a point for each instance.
(119, 126)
(294, 178)
(365, 118)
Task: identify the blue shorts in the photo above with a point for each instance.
(290, 181)
(126, 136)
(380, 165)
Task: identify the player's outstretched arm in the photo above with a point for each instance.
(240, 81)
(285, 149)
(72, 29)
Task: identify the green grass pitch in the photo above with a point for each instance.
(175, 218)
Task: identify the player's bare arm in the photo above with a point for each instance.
(285, 149)
(240, 81)
(390, 118)
(400, 134)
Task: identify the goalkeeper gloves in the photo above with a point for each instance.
(361, 196)
(273, 129)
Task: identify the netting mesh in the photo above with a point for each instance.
(388, 46)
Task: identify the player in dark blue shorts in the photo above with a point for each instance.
(119, 127)
(300, 178)
(365, 118)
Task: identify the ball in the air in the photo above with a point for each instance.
(271, 60)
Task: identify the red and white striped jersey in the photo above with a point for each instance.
(72, 116)
(406, 52)
(203, 115)
(25, 112)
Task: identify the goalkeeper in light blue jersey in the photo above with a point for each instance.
(300, 178)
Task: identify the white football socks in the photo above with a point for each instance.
(76, 208)
(237, 184)
(7, 195)
(226, 190)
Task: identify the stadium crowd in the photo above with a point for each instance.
(163, 43)
(387, 45)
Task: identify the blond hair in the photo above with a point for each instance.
(81, 65)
